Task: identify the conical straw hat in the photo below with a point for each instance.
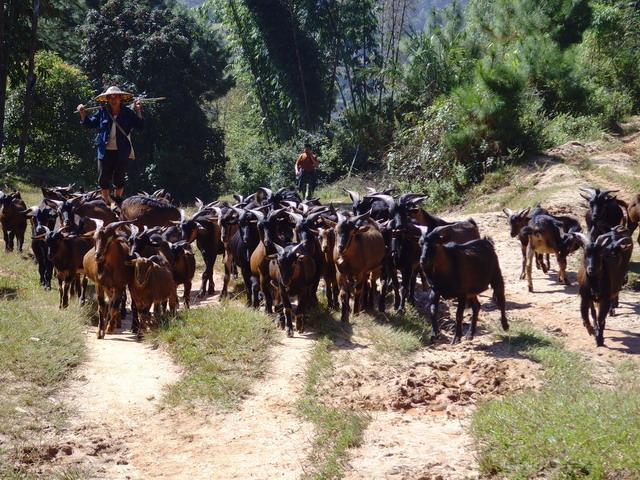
(126, 96)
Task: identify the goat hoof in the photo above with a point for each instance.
(289, 332)
(530, 289)
(455, 339)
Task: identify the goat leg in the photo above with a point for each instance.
(20, 240)
(459, 316)
(83, 291)
(5, 234)
(603, 311)
(186, 297)
(288, 310)
(614, 305)
(60, 292)
(433, 313)
(102, 311)
(562, 273)
(523, 248)
(530, 255)
(475, 311)
(585, 305)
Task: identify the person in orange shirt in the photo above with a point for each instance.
(306, 172)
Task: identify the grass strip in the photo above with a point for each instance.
(39, 347)
(224, 349)
(570, 428)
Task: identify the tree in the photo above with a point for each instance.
(14, 45)
(156, 47)
(59, 149)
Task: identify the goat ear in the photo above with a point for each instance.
(508, 212)
(582, 239)
(363, 228)
(88, 234)
(329, 223)
(273, 256)
(55, 204)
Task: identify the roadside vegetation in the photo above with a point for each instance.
(572, 428)
(39, 348)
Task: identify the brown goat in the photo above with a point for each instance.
(66, 253)
(327, 237)
(358, 255)
(292, 271)
(462, 271)
(633, 215)
(151, 284)
(13, 218)
(545, 236)
(105, 265)
(149, 211)
(603, 273)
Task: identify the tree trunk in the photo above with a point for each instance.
(30, 84)
(4, 70)
(307, 114)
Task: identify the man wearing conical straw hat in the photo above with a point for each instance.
(114, 123)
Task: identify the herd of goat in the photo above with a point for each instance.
(283, 247)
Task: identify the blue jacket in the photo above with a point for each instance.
(101, 120)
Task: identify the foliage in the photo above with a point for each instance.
(536, 433)
(161, 49)
(58, 150)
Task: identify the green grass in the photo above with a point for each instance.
(569, 429)
(393, 335)
(39, 347)
(224, 349)
(336, 429)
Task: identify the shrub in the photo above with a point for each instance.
(58, 149)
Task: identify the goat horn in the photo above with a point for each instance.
(115, 225)
(423, 230)
(603, 240)
(388, 199)
(341, 217)
(582, 237)
(355, 196)
(218, 211)
(360, 217)
(99, 223)
(296, 217)
(290, 203)
(608, 192)
(267, 191)
(239, 211)
(304, 207)
(134, 230)
(297, 247)
(411, 198)
(259, 215)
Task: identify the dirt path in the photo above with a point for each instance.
(411, 435)
(120, 429)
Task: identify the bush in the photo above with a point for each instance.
(58, 149)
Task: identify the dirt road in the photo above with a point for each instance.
(419, 408)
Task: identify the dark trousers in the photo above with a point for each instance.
(307, 184)
(112, 171)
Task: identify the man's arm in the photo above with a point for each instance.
(298, 163)
(89, 122)
(316, 162)
(138, 121)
